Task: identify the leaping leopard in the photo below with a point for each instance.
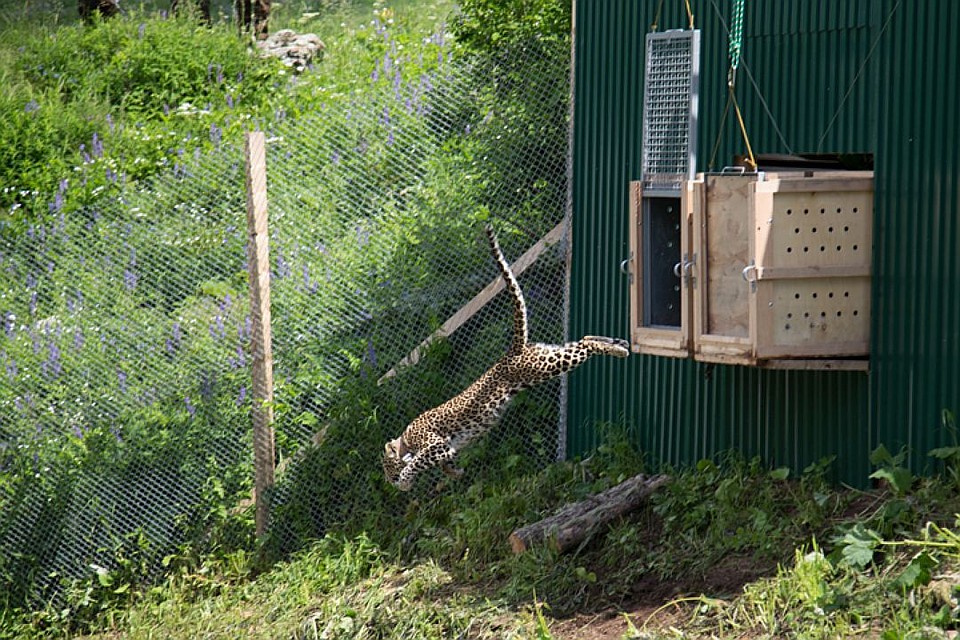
(436, 436)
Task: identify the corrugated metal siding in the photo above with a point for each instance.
(874, 76)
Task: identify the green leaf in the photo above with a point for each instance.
(917, 572)
(899, 478)
(944, 453)
(103, 575)
(880, 455)
(858, 546)
(586, 576)
(780, 473)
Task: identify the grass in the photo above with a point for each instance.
(730, 548)
(446, 569)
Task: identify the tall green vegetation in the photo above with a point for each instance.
(85, 107)
(121, 119)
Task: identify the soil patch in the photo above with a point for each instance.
(649, 601)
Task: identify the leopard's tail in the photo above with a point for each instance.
(519, 306)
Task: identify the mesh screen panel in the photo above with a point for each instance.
(126, 336)
(670, 108)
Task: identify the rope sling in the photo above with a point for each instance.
(735, 52)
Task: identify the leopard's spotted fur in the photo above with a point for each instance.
(435, 437)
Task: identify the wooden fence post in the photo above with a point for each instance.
(258, 260)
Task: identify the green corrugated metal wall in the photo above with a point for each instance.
(879, 76)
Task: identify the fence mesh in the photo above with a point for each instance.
(126, 327)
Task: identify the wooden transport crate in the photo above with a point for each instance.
(767, 270)
(783, 268)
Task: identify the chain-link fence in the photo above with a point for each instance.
(125, 411)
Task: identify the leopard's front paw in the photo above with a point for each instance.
(405, 484)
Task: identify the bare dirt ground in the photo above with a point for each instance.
(649, 603)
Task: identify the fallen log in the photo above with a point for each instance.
(576, 521)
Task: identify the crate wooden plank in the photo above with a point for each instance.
(725, 251)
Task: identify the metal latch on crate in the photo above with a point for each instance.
(684, 268)
(746, 273)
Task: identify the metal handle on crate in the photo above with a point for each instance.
(683, 268)
(625, 267)
(746, 275)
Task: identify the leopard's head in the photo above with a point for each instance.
(393, 462)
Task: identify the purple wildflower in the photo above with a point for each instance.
(216, 134)
(78, 339)
(31, 106)
(129, 279)
(53, 361)
(190, 408)
(230, 101)
(283, 267)
(122, 379)
(141, 30)
(242, 396)
(306, 275)
(97, 146)
(9, 323)
(206, 386)
(33, 303)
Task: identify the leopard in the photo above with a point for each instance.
(436, 436)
